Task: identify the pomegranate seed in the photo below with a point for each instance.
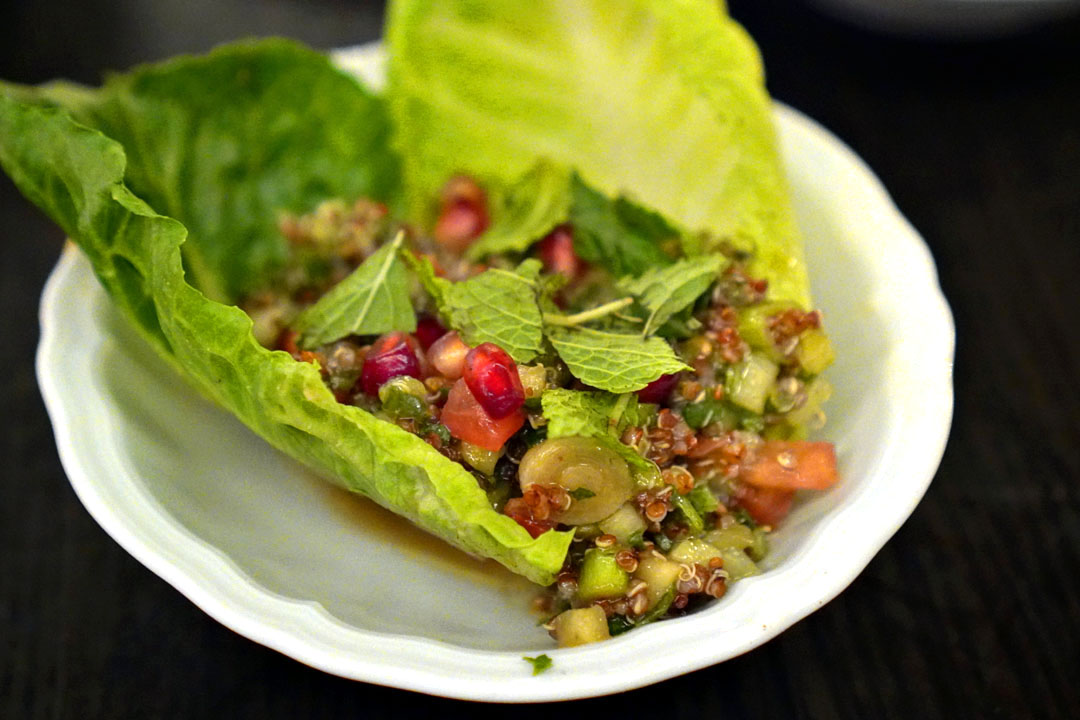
(447, 354)
(463, 187)
(556, 251)
(428, 330)
(492, 377)
(459, 224)
(390, 356)
(463, 215)
(659, 389)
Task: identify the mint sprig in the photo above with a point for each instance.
(618, 235)
(615, 362)
(497, 306)
(662, 292)
(373, 299)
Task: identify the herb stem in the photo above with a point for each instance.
(587, 315)
(617, 411)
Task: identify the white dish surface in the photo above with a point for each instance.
(328, 578)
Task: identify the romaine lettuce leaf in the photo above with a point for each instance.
(227, 141)
(661, 99)
(79, 177)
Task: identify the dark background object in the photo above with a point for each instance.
(972, 610)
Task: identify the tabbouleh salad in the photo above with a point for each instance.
(670, 471)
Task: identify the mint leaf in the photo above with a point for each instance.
(618, 235)
(667, 290)
(588, 413)
(373, 299)
(497, 306)
(533, 205)
(614, 362)
(540, 663)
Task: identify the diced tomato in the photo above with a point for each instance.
(768, 506)
(466, 420)
(792, 465)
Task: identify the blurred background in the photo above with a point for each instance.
(969, 111)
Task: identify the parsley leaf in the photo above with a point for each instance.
(683, 504)
(667, 290)
(373, 299)
(533, 205)
(615, 362)
(540, 663)
(620, 236)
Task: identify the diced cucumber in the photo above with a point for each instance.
(760, 548)
(479, 458)
(785, 431)
(738, 564)
(754, 326)
(623, 523)
(748, 383)
(403, 397)
(587, 532)
(693, 551)
(818, 391)
(698, 415)
(581, 626)
(736, 537)
(729, 417)
(814, 351)
(601, 577)
(533, 379)
(659, 575)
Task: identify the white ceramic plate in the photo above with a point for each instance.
(335, 582)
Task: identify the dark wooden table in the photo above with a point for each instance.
(973, 608)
